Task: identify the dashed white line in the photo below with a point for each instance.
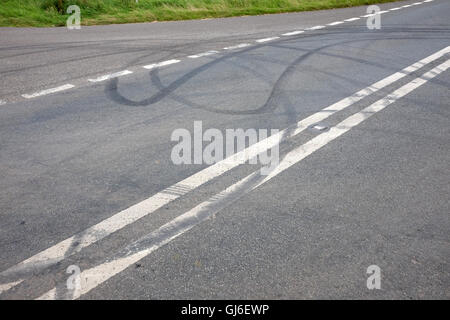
(335, 23)
(111, 76)
(238, 46)
(352, 19)
(93, 277)
(203, 54)
(267, 39)
(315, 28)
(161, 64)
(293, 33)
(48, 91)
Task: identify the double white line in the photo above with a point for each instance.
(94, 276)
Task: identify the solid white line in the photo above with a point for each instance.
(381, 12)
(93, 277)
(352, 19)
(394, 9)
(315, 28)
(161, 64)
(48, 91)
(266, 39)
(406, 6)
(86, 237)
(416, 3)
(314, 144)
(7, 286)
(238, 46)
(203, 54)
(293, 33)
(111, 76)
(428, 1)
(335, 23)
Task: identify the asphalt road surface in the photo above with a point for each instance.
(88, 183)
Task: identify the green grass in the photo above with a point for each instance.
(44, 13)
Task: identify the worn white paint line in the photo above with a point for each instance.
(352, 19)
(77, 242)
(314, 144)
(7, 286)
(406, 6)
(203, 54)
(266, 39)
(48, 91)
(315, 28)
(238, 46)
(335, 23)
(111, 76)
(395, 9)
(161, 64)
(293, 33)
(93, 277)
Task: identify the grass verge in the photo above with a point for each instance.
(46, 13)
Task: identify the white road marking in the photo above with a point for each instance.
(319, 127)
(111, 76)
(406, 6)
(394, 9)
(2, 102)
(381, 12)
(315, 28)
(314, 144)
(335, 23)
(416, 3)
(293, 33)
(203, 54)
(93, 277)
(48, 91)
(352, 19)
(266, 39)
(428, 1)
(161, 64)
(238, 46)
(77, 242)
(7, 286)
